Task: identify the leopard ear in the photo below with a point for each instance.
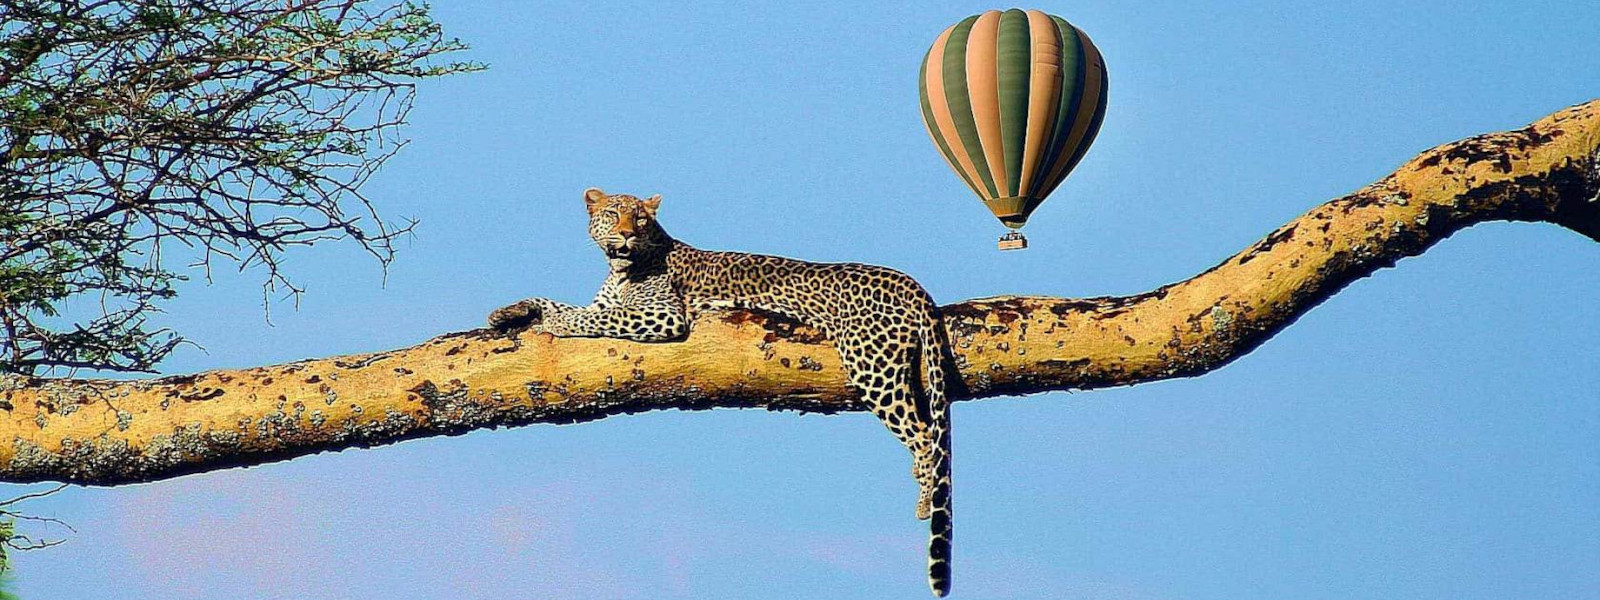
(652, 204)
(592, 198)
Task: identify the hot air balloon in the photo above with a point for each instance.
(1013, 100)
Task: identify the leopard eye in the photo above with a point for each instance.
(643, 220)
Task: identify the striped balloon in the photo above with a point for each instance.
(1013, 100)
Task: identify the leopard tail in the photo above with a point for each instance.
(934, 344)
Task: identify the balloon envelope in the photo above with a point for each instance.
(1013, 100)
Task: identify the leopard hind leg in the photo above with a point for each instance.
(887, 377)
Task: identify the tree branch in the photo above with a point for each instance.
(108, 433)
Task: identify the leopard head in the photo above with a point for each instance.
(625, 228)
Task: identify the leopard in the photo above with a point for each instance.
(884, 325)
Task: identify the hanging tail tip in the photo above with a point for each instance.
(1013, 241)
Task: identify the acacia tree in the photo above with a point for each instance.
(139, 137)
(115, 432)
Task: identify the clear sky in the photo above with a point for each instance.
(1430, 432)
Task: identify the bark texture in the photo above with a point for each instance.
(115, 432)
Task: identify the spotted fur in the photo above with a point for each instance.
(884, 325)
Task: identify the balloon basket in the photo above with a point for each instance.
(1013, 241)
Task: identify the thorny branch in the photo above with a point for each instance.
(13, 541)
(136, 133)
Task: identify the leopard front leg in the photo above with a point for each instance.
(656, 322)
(526, 313)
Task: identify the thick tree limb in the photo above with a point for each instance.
(108, 433)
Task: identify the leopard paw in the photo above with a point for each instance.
(924, 505)
(514, 317)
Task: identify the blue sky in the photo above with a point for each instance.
(1428, 433)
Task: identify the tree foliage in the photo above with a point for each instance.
(143, 139)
